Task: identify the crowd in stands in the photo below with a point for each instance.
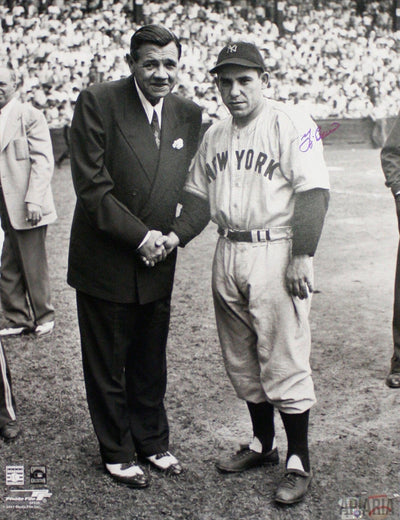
(326, 56)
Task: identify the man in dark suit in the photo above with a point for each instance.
(131, 145)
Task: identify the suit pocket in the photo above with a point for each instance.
(21, 149)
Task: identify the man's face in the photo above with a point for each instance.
(7, 86)
(155, 70)
(241, 91)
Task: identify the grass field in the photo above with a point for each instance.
(354, 437)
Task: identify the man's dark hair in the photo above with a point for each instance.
(155, 34)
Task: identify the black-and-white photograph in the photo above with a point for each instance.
(200, 261)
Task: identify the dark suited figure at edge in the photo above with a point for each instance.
(390, 159)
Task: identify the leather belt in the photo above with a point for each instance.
(256, 235)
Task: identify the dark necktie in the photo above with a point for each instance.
(156, 128)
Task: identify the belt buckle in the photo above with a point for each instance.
(259, 235)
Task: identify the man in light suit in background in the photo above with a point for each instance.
(26, 208)
(132, 141)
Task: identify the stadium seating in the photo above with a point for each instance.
(328, 59)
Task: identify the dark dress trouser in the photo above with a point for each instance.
(396, 318)
(124, 364)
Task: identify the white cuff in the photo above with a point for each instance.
(147, 236)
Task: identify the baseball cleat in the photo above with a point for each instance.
(293, 486)
(247, 458)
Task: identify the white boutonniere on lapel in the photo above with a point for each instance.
(178, 144)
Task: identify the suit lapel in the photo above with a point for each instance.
(12, 124)
(134, 125)
(169, 122)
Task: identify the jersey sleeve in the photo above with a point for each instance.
(302, 159)
(310, 208)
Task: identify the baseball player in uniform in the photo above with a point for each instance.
(261, 177)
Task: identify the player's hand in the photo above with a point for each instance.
(33, 213)
(172, 241)
(299, 276)
(153, 250)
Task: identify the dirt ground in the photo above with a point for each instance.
(354, 431)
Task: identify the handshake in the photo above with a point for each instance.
(157, 247)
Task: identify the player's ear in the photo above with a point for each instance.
(265, 78)
(216, 81)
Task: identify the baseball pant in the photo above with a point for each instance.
(125, 370)
(24, 282)
(264, 332)
(7, 402)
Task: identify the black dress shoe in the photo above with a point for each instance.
(129, 474)
(166, 462)
(247, 458)
(10, 431)
(293, 486)
(393, 380)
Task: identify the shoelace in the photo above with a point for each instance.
(290, 480)
(244, 450)
(163, 454)
(127, 465)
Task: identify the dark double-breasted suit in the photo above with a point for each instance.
(125, 186)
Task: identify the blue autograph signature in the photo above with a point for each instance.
(309, 138)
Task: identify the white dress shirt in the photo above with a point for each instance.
(149, 109)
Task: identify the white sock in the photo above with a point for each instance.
(294, 462)
(256, 445)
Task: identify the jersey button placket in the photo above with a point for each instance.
(235, 201)
(235, 186)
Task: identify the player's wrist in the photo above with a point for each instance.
(301, 255)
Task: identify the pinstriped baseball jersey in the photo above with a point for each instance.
(250, 175)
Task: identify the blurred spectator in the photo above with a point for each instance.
(340, 59)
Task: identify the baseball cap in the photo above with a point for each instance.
(239, 53)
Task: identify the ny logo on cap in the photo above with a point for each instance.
(231, 48)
